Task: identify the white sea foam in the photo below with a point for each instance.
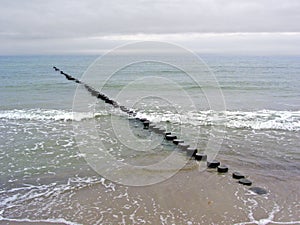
(44, 114)
(34, 193)
(257, 120)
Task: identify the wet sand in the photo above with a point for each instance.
(189, 197)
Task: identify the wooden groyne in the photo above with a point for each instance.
(191, 152)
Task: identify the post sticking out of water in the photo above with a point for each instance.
(92, 91)
(191, 152)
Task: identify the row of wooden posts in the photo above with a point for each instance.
(190, 151)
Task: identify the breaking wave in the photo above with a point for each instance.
(44, 114)
(257, 120)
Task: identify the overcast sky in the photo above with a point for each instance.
(94, 26)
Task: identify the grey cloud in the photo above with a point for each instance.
(32, 24)
(65, 18)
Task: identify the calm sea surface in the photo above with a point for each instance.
(45, 175)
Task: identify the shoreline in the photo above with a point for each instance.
(189, 197)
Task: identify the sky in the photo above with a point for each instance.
(259, 27)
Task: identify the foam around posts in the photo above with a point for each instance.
(213, 164)
(170, 137)
(245, 181)
(200, 157)
(222, 169)
(177, 141)
(167, 133)
(237, 175)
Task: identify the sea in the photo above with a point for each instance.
(62, 164)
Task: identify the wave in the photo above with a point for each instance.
(44, 114)
(257, 120)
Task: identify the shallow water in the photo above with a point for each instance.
(45, 177)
